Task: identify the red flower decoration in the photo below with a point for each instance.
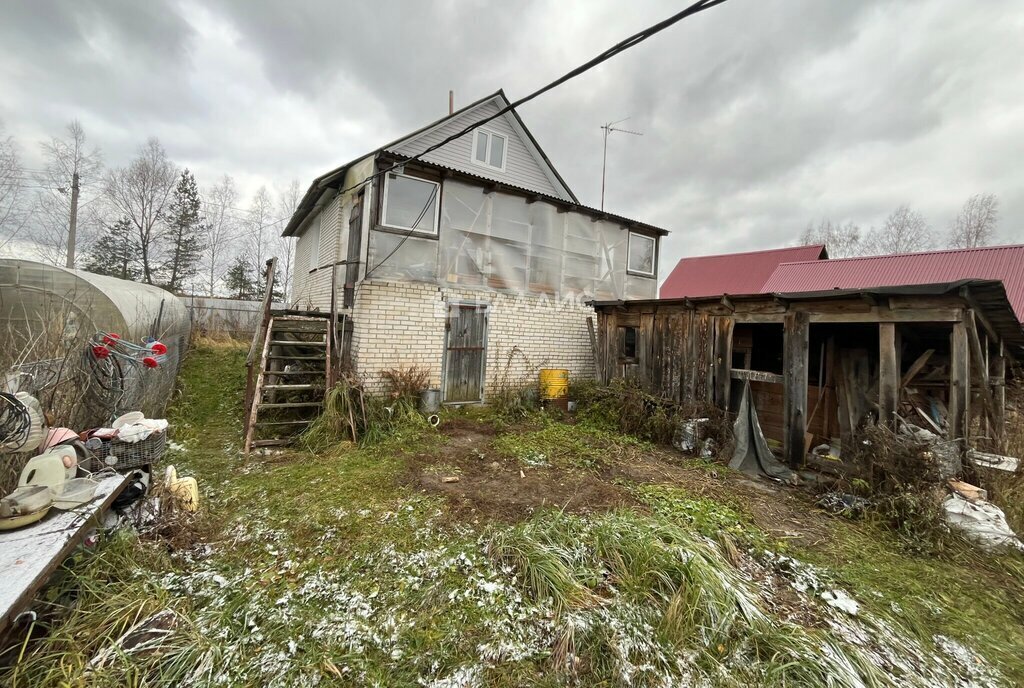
(158, 348)
(111, 339)
(100, 351)
(150, 362)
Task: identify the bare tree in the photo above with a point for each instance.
(841, 240)
(904, 231)
(67, 220)
(259, 229)
(140, 193)
(287, 202)
(13, 202)
(220, 202)
(975, 225)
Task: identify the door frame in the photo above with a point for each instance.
(485, 308)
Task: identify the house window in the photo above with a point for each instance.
(410, 203)
(628, 337)
(489, 149)
(640, 260)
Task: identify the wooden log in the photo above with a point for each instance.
(796, 342)
(723, 361)
(959, 383)
(888, 374)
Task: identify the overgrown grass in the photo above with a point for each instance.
(323, 569)
(563, 445)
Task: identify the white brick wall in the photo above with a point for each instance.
(398, 324)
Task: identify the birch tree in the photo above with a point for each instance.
(841, 240)
(13, 201)
(287, 202)
(259, 229)
(220, 202)
(975, 224)
(904, 231)
(141, 193)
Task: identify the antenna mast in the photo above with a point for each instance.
(608, 129)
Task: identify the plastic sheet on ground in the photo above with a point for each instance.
(981, 522)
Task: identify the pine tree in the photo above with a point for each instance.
(116, 253)
(185, 233)
(239, 279)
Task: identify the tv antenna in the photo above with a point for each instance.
(608, 129)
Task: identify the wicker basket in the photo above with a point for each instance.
(134, 454)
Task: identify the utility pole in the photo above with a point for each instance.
(73, 222)
(609, 128)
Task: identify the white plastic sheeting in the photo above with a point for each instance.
(981, 522)
(504, 242)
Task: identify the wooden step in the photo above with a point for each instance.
(280, 357)
(295, 342)
(278, 442)
(291, 404)
(285, 373)
(290, 388)
(273, 423)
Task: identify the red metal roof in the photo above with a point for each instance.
(1005, 263)
(732, 273)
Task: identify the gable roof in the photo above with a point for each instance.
(336, 176)
(1004, 263)
(732, 273)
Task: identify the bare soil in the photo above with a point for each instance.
(490, 486)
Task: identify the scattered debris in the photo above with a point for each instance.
(971, 493)
(844, 504)
(995, 461)
(982, 522)
(451, 479)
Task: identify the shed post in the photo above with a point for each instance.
(796, 343)
(959, 383)
(999, 394)
(888, 374)
(723, 360)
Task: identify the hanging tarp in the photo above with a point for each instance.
(752, 454)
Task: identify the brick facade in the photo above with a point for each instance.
(398, 324)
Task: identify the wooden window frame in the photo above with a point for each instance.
(654, 256)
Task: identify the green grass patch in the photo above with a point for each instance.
(565, 445)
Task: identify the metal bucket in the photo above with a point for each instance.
(554, 383)
(430, 401)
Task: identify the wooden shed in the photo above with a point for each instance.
(824, 363)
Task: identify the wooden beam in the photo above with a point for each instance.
(888, 374)
(878, 314)
(723, 361)
(959, 383)
(598, 363)
(796, 342)
(727, 302)
(916, 367)
(980, 367)
(756, 376)
(999, 396)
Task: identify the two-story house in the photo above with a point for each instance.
(475, 262)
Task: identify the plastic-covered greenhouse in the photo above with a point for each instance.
(89, 347)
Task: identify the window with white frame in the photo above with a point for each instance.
(489, 149)
(641, 256)
(410, 203)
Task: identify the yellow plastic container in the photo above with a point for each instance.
(554, 383)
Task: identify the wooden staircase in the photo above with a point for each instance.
(293, 374)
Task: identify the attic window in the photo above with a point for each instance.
(489, 149)
(641, 255)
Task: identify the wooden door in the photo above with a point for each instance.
(465, 353)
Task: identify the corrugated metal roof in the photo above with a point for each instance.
(732, 273)
(1004, 263)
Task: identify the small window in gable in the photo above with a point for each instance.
(641, 258)
(489, 149)
(410, 203)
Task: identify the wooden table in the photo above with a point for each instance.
(30, 555)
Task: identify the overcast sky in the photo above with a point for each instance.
(758, 116)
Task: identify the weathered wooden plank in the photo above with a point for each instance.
(916, 368)
(999, 396)
(593, 348)
(959, 383)
(755, 375)
(30, 555)
(722, 361)
(979, 361)
(876, 314)
(796, 344)
(888, 374)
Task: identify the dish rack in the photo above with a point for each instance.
(132, 454)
